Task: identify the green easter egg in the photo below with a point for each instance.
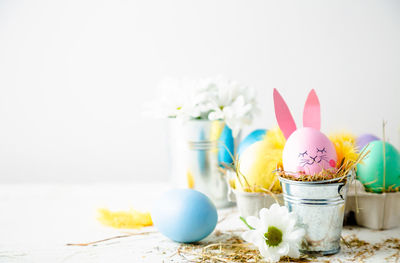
(370, 171)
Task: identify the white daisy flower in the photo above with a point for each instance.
(176, 98)
(274, 233)
(213, 99)
(230, 101)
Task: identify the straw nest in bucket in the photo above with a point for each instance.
(346, 164)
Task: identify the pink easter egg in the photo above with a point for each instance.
(308, 150)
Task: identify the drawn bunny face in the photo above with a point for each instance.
(307, 150)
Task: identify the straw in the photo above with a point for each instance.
(384, 154)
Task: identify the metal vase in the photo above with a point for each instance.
(320, 208)
(193, 153)
(250, 204)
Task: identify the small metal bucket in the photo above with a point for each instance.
(320, 207)
(250, 204)
(193, 153)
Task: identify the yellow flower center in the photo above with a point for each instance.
(273, 237)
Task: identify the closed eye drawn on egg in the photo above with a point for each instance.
(321, 151)
(302, 154)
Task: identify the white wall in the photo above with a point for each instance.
(73, 74)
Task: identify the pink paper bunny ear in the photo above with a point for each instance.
(283, 116)
(312, 111)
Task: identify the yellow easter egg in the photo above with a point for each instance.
(256, 169)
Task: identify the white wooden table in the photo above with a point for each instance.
(37, 221)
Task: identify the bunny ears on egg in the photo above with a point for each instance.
(311, 113)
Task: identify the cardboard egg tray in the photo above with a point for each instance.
(375, 211)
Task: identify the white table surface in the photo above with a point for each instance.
(37, 221)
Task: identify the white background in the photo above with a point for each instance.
(74, 74)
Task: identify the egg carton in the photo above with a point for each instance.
(375, 211)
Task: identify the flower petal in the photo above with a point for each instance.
(264, 251)
(296, 235)
(283, 249)
(250, 236)
(294, 251)
(272, 255)
(264, 215)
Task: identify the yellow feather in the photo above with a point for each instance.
(190, 179)
(124, 219)
(345, 145)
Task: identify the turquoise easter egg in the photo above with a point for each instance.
(184, 215)
(254, 136)
(371, 171)
(226, 146)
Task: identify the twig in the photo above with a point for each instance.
(110, 238)
(384, 155)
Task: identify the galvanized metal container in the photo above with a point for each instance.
(320, 207)
(193, 148)
(250, 204)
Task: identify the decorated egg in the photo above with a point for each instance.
(257, 164)
(309, 151)
(254, 136)
(226, 146)
(364, 139)
(184, 215)
(371, 171)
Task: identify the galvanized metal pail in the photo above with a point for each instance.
(320, 207)
(193, 148)
(250, 204)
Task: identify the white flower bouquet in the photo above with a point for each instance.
(205, 99)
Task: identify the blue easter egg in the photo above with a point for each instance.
(226, 146)
(184, 215)
(254, 136)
